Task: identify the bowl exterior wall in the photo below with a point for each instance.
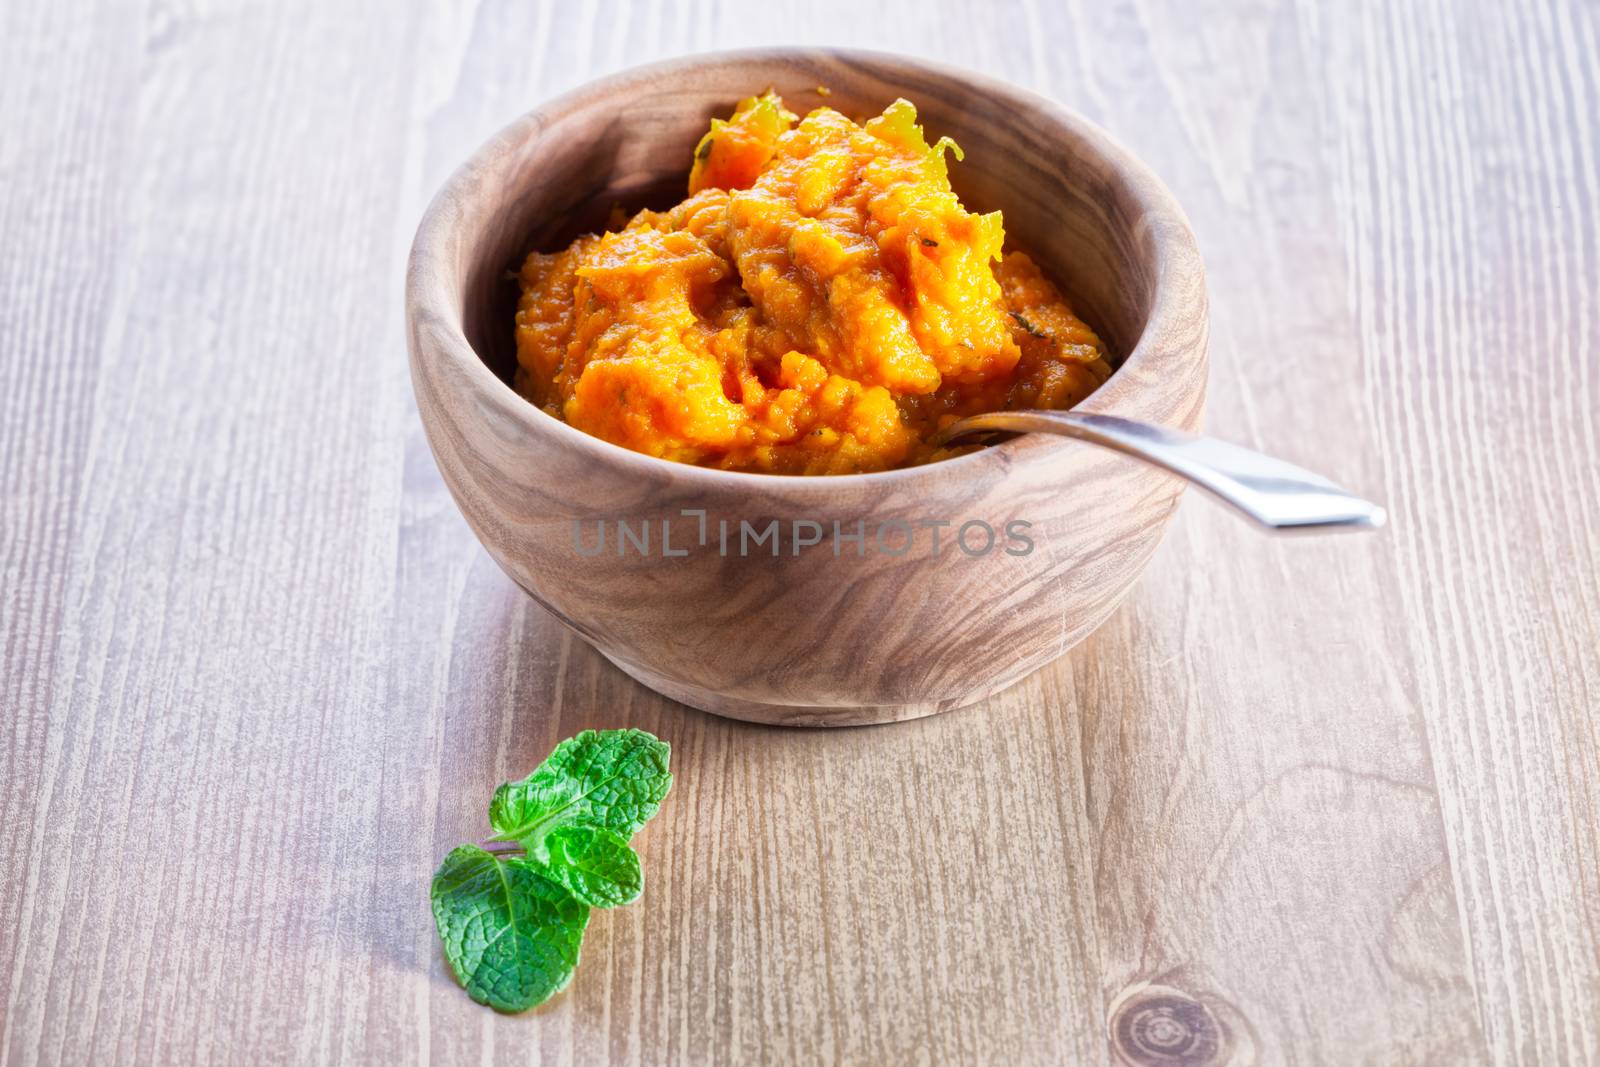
(756, 621)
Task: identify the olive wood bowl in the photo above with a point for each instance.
(838, 632)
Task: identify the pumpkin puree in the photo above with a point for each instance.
(820, 304)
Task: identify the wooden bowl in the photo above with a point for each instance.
(837, 632)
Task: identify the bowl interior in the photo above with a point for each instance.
(1064, 189)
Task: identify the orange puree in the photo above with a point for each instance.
(820, 304)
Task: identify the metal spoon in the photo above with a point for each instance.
(1275, 494)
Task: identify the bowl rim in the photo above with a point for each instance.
(434, 289)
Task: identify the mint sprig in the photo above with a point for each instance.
(512, 919)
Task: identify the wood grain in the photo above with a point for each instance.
(1330, 801)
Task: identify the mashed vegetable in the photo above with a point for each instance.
(820, 304)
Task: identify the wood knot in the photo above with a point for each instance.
(1156, 1026)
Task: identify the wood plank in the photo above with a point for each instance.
(227, 585)
(68, 127)
(1469, 150)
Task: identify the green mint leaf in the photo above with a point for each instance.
(596, 864)
(512, 923)
(610, 778)
(510, 933)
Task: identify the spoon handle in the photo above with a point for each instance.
(1275, 494)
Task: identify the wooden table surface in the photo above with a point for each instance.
(1317, 801)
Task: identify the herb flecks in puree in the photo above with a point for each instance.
(820, 304)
